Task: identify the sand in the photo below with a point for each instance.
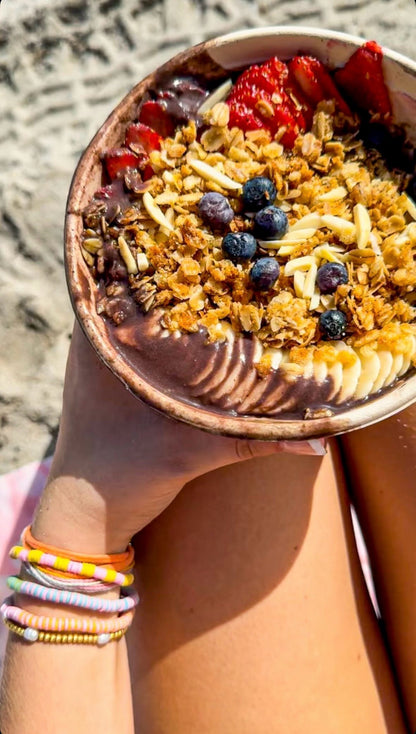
(63, 66)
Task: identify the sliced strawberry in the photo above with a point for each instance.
(243, 117)
(141, 135)
(118, 160)
(363, 79)
(154, 115)
(316, 82)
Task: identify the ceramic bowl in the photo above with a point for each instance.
(215, 58)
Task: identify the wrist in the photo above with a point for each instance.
(72, 516)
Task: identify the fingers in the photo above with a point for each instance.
(246, 449)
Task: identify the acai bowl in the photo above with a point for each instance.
(240, 235)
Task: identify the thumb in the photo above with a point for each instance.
(249, 449)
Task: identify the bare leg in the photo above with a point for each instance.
(382, 464)
(254, 614)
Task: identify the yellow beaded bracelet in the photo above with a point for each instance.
(64, 637)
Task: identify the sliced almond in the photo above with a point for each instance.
(142, 262)
(299, 234)
(212, 174)
(299, 263)
(92, 244)
(299, 282)
(315, 300)
(334, 194)
(155, 212)
(362, 225)
(342, 227)
(287, 250)
(312, 220)
(410, 206)
(218, 95)
(328, 252)
(128, 258)
(309, 285)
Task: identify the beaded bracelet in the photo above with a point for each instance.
(33, 635)
(89, 570)
(129, 600)
(63, 624)
(119, 561)
(81, 585)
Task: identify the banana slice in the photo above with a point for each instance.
(395, 369)
(335, 374)
(386, 363)
(320, 371)
(370, 367)
(350, 375)
(407, 357)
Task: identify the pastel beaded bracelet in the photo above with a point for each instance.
(33, 635)
(81, 585)
(63, 624)
(71, 598)
(88, 570)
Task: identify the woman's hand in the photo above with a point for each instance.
(119, 463)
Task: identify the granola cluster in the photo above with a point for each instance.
(343, 206)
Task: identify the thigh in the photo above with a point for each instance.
(254, 613)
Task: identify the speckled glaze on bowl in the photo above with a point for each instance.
(213, 59)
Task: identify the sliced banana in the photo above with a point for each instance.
(370, 367)
(395, 369)
(335, 374)
(407, 356)
(350, 375)
(386, 363)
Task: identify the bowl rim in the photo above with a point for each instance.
(400, 396)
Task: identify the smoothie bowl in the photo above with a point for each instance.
(241, 235)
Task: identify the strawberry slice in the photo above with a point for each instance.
(363, 80)
(243, 117)
(316, 82)
(273, 115)
(154, 115)
(118, 160)
(142, 136)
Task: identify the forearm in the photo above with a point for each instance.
(65, 688)
(381, 463)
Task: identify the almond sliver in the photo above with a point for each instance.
(299, 263)
(128, 258)
(362, 225)
(299, 282)
(309, 285)
(155, 212)
(340, 226)
(300, 234)
(334, 194)
(310, 220)
(218, 95)
(212, 174)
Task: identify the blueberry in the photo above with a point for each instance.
(258, 193)
(270, 223)
(375, 135)
(264, 273)
(330, 276)
(333, 324)
(239, 246)
(215, 209)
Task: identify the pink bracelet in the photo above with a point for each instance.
(89, 570)
(63, 624)
(83, 586)
(72, 598)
